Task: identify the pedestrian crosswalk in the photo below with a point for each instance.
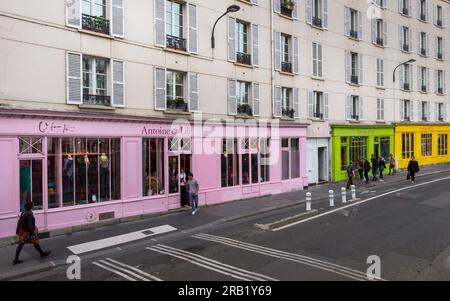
(125, 271)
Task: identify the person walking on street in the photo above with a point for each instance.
(361, 169)
(350, 174)
(193, 189)
(184, 198)
(381, 167)
(413, 168)
(392, 165)
(28, 233)
(374, 167)
(366, 170)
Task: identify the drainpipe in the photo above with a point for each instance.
(272, 66)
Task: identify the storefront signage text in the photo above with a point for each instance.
(54, 128)
(165, 132)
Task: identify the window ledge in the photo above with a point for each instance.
(244, 65)
(287, 119)
(380, 122)
(286, 17)
(317, 27)
(169, 112)
(317, 119)
(318, 78)
(380, 87)
(422, 55)
(407, 16)
(440, 94)
(177, 51)
(441, 60)
(405, 90)
(378, 45)
(404, 51)
(424, 92)
(287, 73)
(353, 38)
(96, 107)
(90, 32)
(354, 121)
(244, 116)
(354, 85)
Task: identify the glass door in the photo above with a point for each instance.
(31, 183)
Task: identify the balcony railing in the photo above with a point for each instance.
(317, 21)
(355, 117)
(99, 100)
(405, 11)
(97, 24)
(423, 17)
(287, 112)
(406, 118)
(441, 118)
(286, 10)
(354, 79)
(176, 43)
(439, 22)
(380, 41)
(423, 88)
(244, 109)
(406, 86)
(318, 115)
(243, 58)
(406, 47)
(354, 33)
(439, 55)
(424, 118)
(440, 90)
(423, 51)
(286, 67)
(176, 104)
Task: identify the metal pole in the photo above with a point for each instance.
(344, 195)
(353, 193)
(308, 201)
(331, 195)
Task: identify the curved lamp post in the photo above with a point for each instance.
(230, 9)
(395, 69)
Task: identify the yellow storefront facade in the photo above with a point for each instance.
(428, 143)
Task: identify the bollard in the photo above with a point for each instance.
(353, 193)
(308, 201)
(331, 195)
(344, 195)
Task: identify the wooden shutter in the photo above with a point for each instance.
(160, 89)
(402, 109)
(325, 13)
(309, 11)
(311, 104)
(118, 80)
(360, 26)
(348, 66)
(160, 23)
(374, 30)
(401, 35)
(360, 68)
(194, 101)
(117, 8)
(295, 56)
(231, 39)
(256, 100)
(255, 44)
(402, 76)
(277, 51)
(361, 108)
(232, 102)
(193, 32)
(73, 13)
(277, 102)
(277, 6)
(296, 103)
(410, 42)
(74, 75)
(348, 107)
(295, 10)
(347, 21)
(385, 28)
(325, 106)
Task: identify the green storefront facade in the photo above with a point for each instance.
(354, 142)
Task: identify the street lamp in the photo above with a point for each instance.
(230, 9)
(408, 62)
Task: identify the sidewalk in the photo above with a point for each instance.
(181, 219)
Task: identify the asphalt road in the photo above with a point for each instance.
(409, 231)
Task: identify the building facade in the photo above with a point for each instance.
(104, 103)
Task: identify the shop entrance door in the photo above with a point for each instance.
(376, 147)
(323, 158)
(31, 183)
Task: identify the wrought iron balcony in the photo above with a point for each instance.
(97, 24)
(99, 100)
(176, 104)
(439, 22)
(406, 47)
(380, 41)
(441, 118)
(244, 109)
(354, 79)
(406, 118)
(287, 112)
(355, 117)
(176, 43)
(423, 51)
(318, 115)
(286, 9)
(243, 58)
(405, 11)
(317, 21)
(423, 17)
(423, 88)
(440, 90)
(354, 33)
(286, 67)
(439, 55)
(406, 86)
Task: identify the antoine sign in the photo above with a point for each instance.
(179, 131)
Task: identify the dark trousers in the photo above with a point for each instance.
(413, 176)
(381, 175)
(184, 198)
(349, 182)
(374, 173)
(366, 176)
(361, 174)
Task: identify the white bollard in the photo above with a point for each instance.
(353, 193)
(308, 201)
(331, 195)
(344, 195)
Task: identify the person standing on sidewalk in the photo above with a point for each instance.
(381, 167)
(366, 170)
(350, 174)
(361, 169)
(28, 233)
(193, 189)
(374, 167)
(392, 165)
(413, 168)
(183, 191)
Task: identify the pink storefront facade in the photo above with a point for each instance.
(82, 169)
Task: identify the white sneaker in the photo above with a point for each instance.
(381, 180)
(193, 212)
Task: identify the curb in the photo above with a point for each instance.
(43, 267)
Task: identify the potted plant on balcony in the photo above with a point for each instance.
(288, 4)
(244, 109)
(180, 104)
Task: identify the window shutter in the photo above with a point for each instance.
(325, 13)
(428, 44)
(410, 42)
(255, 2)
(347, 21)
(348, 71)
(193, 32)
(436, 46)
(309, 11)
(428, 11)
(255, 42)
(360, 68)
(296, 103)
(401, 35)
(418, 9)
(256, 101)
(428, 79)
(310, 104)
(444, 56)
(295, 10)
(445, 112)
(314, 60)
(319, 59)
(325, 106)
(418, 110)
(385, 28)
(73, 13)
(194, 101)
(436, 81)
(295, 58)
(118, 80)
(411, 77)
(436, 111)
(400, 6)
(444, 81)
(361, 108)
(431, 111)
(419, 78)
(232, 102)
(402, 109)
(402, 76)
(74, 71)
(118, 18)
(277, 51)
(231, 39)
(374, 30)
(419, 42)
(277, 6)
(348, 108)
(277, 103)
(160, 23)
(444, 17)
(434, 14)
(360, 26)
(382, 72)
(160, 90)
(410, 7)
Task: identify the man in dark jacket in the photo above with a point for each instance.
(366, 170)
(350, 174)
(413, 168)
(374, 167)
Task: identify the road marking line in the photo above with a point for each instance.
(316, 263)
(117, 267)
(134, 269)
(357, 203)
(114, 271)
(118, 240)
(211, 264)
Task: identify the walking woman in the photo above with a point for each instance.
(392, 165)
(27, 232)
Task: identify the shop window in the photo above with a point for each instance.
(290, 156)
(173, 174)
(30, 145)
(426, 148)
(357, 148)
(344, 147)
(385, 144)
(407, 145)
(31, 183)
(265, 159)
(182, 145)
(153, 166)
(442, 144)
(230, 163)
(245, 169)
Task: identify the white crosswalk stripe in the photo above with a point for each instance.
(309, 261)
(126, 271)
(211, 264)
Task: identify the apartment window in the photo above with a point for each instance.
(153, 166)
(317, 105)
(405, 109)
(354, 67)
(174, 25)
(290, 157)
(317, 60)
(442, 144)
(287, 8)
(230, 163)
(405, 7)
(423, 78)
(423, 10)
(354, 108)
(439, 48)
(426, 145)
(440, 81)
(440, 112)
(407, 145)
(423, 44)
(380, 72)
(95, 81)
(379, 32)
(286, 44)
(317, 13)
(175, 91)
(242, 43)
(243, 98)
(406, 75)
(380, 3)
(353, 23)
(425, 110)
(380, 109)
(439, 16)
(286, 102)
(94, 16)
(405, 39)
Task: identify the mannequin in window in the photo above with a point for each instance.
(68, 170)
(183, 190)
(104, 176)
